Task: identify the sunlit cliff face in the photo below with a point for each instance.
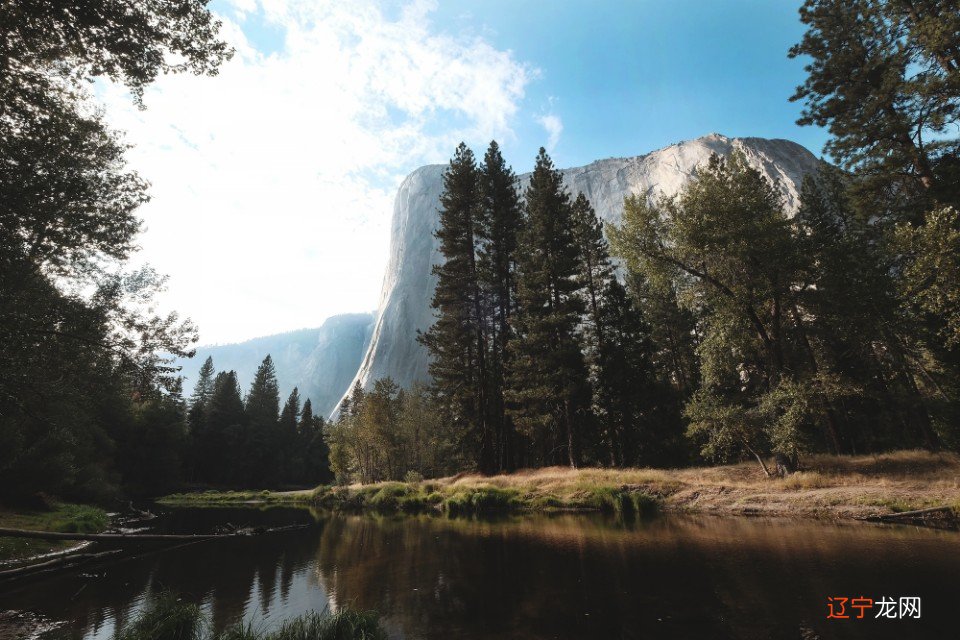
(408, 283)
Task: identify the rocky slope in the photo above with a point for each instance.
(321, 362)
(408, 283)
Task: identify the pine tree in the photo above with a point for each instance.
(616, 344)
(306, 414)
(548, 392)
(223, 440)
(500, 222)
(457, 341)
(196, 413)
(885, 79)
(312, 441)
(290, 455)
(638, 414)
(263, 412)
(204, 387)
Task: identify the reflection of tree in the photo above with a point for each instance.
(578, 577)
(545, 577)
(438, 578)
(219, 574)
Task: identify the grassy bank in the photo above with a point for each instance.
(211, 497)
(828, 486)
(60, 517)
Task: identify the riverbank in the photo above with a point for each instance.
(849, 487)
(59, 518)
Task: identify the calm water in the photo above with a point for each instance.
(570, 576)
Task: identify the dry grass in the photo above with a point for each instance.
(827, 486)
(838, 486)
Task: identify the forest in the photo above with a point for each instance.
(714, 326)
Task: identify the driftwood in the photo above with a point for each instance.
(63, 562)
(138, 537)
(887, 517)
(70, 560)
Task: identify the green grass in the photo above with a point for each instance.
(61, 517)
(391, 497)
(482, 500)
(167, 618)
(211, 497)
(621, 502)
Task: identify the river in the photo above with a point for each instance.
(565, 576)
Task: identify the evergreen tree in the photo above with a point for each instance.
(548, 393)
(152, 451)
(457, 341)
(851, 324)
(223, 439)
(290, 455)
(885, 80)
(306, 414)
(204, 387)
(315, 454)
(262, 412)
(196, 413)
(616, 349)
(500, 222)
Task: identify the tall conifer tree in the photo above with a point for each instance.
(501, 219)
(196, 412)
(263, 413)
(616, 344)
(223, 437)
(548, 391)
(290, 458)
(457, 341)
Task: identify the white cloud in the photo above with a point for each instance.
(553, 125)
(273, 182)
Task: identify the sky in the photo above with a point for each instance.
(272, 183)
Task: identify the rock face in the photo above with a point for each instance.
(329, 369)
(408, 283)
(320, 362)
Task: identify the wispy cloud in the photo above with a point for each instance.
(273, 182)
(553, 125)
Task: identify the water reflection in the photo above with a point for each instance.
(567, 576)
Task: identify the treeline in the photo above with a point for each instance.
(250, 441)
(539, 353)
(87, 406)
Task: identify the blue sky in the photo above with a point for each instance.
(627, 77)
(294, 152)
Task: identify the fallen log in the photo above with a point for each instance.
(908, 514)
(141, 537)
(57, 563)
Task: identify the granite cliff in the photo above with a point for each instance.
(408, 283)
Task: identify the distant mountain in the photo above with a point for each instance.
(321, 362)
(409, 283)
